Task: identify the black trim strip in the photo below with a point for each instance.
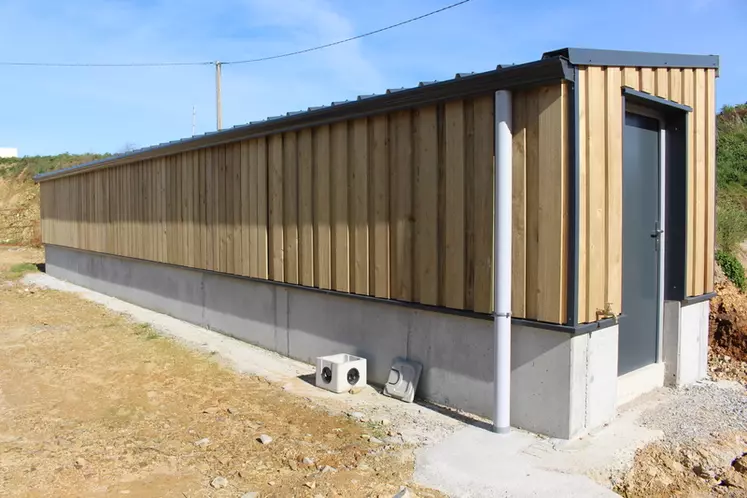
(624, 58)
(537, 73)
(658, 103)
(698, 299)
(574, 330)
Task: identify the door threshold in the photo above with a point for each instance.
(638, 382)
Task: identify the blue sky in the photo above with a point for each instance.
(54, 110)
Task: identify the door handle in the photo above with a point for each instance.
(657, 233)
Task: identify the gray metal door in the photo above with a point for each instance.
(638, 327)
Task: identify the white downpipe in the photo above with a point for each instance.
(502, 263)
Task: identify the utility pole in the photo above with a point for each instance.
(218, 104)
(194, 120)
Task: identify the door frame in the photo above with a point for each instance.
(650, 112)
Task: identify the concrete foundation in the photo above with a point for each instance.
(685, 342)
(561, 385)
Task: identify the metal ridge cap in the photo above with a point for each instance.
(629, 58)
(522, 75)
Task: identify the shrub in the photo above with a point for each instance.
(731, 219)
(732, 268)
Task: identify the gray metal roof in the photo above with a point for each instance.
(553, 66)
(462, 85)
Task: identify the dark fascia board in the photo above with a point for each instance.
(625, 58)
(654, 102)
(542, 72)
(698, 299)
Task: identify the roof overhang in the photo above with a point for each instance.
(546, 71)
(624, 58)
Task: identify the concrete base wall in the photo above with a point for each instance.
(685, 342)
(561, 385)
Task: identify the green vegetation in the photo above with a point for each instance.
(731, 182)
(732, 268)
(26, 167)
(20, 269)
(147, 332)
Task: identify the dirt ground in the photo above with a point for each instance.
(92, 404)
(717, 464)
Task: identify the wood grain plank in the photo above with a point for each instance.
(275, 189)
(195, 210)
(647, 80)
(483, 203)
(614, 213)
(306, 208)
(551, 264)
(584, 314)
(211, 228)
(339, 175)
(401, 205)
(688, 85)
(519, 206)
(632, 78)
(290, 206)
(322, 215)
(426, 205)
(230, 202)
(248, 151)
(263, 255)
(379, 212)
(220, 166)
(454, 229)
(236, 205)
(675, 85)
(710, 200)
(662, 82)
(701, 186)
(533, 173)
(185, 172)
(358, 172)
(596, 188)
(202, 209)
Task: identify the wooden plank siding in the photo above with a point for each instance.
(397, 206)
(600, 138)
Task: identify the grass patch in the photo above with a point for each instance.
(146, 332)
(20, 269)
(26, 167)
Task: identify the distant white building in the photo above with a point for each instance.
(8, 152)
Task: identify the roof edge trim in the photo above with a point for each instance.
(624, 58)
(545, 71)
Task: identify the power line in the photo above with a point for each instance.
(95, 64)
(247, 61)
(357, 37)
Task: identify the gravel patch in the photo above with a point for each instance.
(699, 411)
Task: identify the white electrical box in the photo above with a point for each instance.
(340, 373)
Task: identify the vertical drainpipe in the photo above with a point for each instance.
(502, 188)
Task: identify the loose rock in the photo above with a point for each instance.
(375, 440)
(293, 465)
(211, 410)
(307, 461)
(232, 411)
(740, 464)
(250, 494)
(404, 492)
(327, 468)
(357, 415)
(80, 463)
(203, 442)
(264, 439)
(219, 482)
(310, 484)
